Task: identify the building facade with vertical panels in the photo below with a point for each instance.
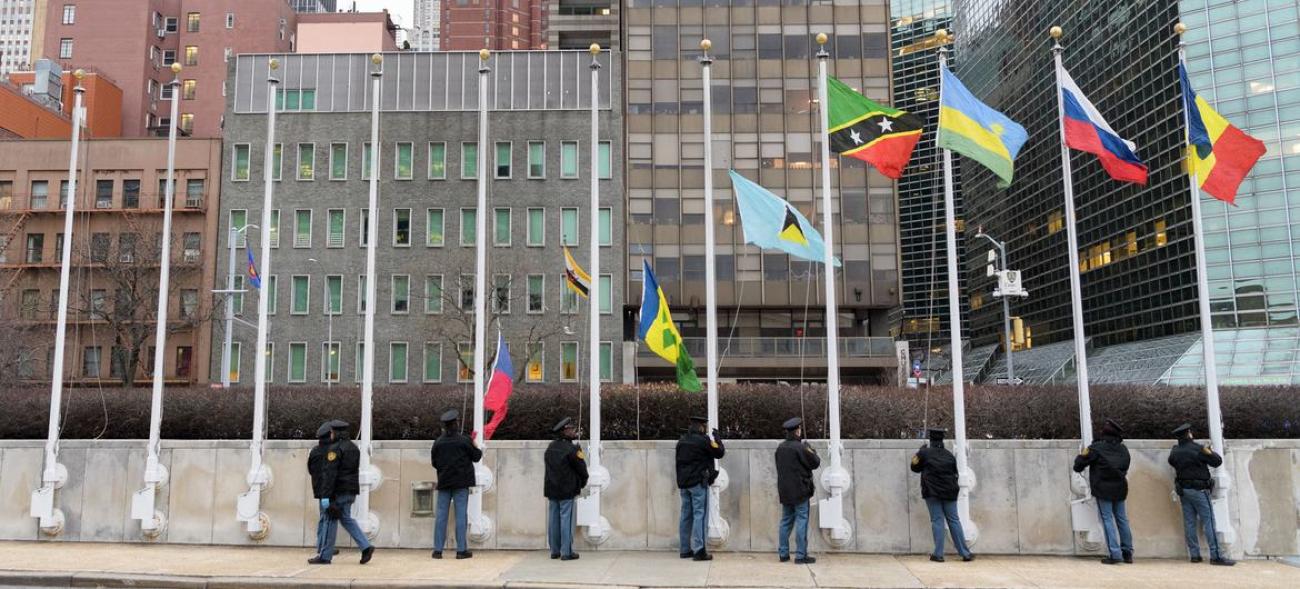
(538, 201)
(22, 24)
(765, 124)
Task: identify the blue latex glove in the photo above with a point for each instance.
(325, 503)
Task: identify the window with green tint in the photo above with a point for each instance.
(468, 226)
(501, 227)
(397, 362)
(569, 159)
(503, 159)
(437, 161)
(338, 161)
(536, 293)
(606, 361)
(237, 299)
(275, 228)
(536, 159)
(359, 361)
(402, 227)
(336, 228)
(432, 362)
(330, 361)
(469, 160)
(277, 159)
(364, 226)
(271, 284)
(605, 164)
(240, 171)
(606, 294)
(401, 289)
(334, 294)
(297, 362)
(301, 295)
(605, 229)
(302, 228)
(568, 361)
(309, 100)
(434, 235)
(568, 299)
(361, 294)
(238, 219)
(465, 359)
(568, 226)
(433, 294)
(405, 162)
(536, 227)
(306, 161)
(365, 161)
(236, 349)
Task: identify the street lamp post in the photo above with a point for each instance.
(1005, 290)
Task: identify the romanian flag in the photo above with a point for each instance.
(500, 385)
(574, 276)
(253, 277)
(1086, 130)
(874, 133)
(660, 334)
(969, 127)
(772, 223)
(1221, 154)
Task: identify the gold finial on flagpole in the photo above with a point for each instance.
(1055, 32)
(942, 35)
(1180, 28)
(822, 38)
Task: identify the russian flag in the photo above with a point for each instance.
(1085, 130)
(500, 385)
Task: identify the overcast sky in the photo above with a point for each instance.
(401, 10)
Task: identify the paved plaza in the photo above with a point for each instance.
(31, 564)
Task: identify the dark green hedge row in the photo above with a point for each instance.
(655, 412)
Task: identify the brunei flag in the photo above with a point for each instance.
(574, 276)
(660, 334)
(874, 133)
(1221, 154)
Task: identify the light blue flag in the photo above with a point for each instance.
(771, 223)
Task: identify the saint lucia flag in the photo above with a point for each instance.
(772, 223)
(660, 334)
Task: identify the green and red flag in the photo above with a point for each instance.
(880, 135)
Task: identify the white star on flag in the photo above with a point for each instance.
(886, 125)
(853, 134)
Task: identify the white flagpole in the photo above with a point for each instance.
(370, 477)
(54, 474)
(1214, 416)
(965, 476)
(836, 478)
(481, 525)
(719, 529)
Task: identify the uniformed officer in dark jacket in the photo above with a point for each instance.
(322, 465)
(1192, 482)
(453, 456)
(938, 468)
(566, 475)
(695, 472)
(346, 487)
(1107, 461)
(795, 463)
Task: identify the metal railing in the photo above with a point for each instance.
(779, 347)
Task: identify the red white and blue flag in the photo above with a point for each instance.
(254, 278)
(1085, 130)
(500, 385)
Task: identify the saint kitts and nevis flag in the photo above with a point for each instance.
(860, 128)
(660, 334)
(1221, 155)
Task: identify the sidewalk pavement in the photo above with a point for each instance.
(46, 564)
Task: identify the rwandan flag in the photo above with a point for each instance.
(253, 277)
(500, 385)
(772, 223)
(659, 333)
(874, 133)
(969, 127)
(1222, 154)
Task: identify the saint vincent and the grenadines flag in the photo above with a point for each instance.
(660, 334)
(1221, 155)
(880, 135)
(969, 127)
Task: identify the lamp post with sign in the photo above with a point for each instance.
(1009, 285)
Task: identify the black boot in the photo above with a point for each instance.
(366, 554)
(464, 555)
(805, 560)
(1128, 556)
(437, 554)
(702, 555)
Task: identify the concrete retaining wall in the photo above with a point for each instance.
(1020, 503)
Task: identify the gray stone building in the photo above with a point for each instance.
(539, 195)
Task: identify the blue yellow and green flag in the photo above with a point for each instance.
(1221, 155)
(969, 127)
(660, 334)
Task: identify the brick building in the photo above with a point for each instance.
(102, 101)
(470, 25)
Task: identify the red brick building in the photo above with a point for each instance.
(470, 25)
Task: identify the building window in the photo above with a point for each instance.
(401, 289)
(334, 294)
(277, 159)
(194, 193)
(536, 293)
(103, 194)
(501, 224)
(270, 361)
(404, 166)
(188, 89)
(468, 227)
(360, 360)
(365, 161)
(298, 362)
(338, 161)
(464, 361)
(170, 24)
(191, 55)
(568, 298)
(192, 22)
(606, 361)
(469, 161)
(35, 247)
(568, 226)
(302, 228)
(397, 362)
(604, 231)
(238, 219)
(433, 294)
(501, 293)
(240, 170)
(364, 226)
(187, 122)
(361, 294)
(131, 194)
(402, 227)
(275, 228)
(272, 290)
(235, 362)
(306, 161)
(536, 370)
(437, 161)
(230, 20)
(90, 365)
(296, 100)
(606, 294)
(503, 155)
(568, 361)
(536, 230)
(65, 48)
(434, 235)
(300, 304)
(330, 361)
(40, 194)
(466, 292)
(605, 168)
(536, 159)
(168, 56)
(69, 14)
(569, 159)
(432, 362)
(335, 228)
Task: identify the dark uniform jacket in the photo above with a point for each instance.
(1107, 461)
(349, 461)
(695, 455)
(938, 468)
(1191, 462)
(453, 456)
(566, 470)
(795, 462)
(323, 466)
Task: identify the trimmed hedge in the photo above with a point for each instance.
(655, 411)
